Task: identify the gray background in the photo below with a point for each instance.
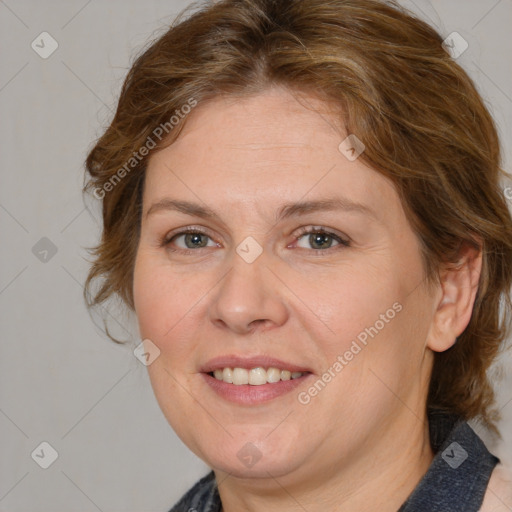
(61, 380)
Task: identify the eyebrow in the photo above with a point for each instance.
(286, 211)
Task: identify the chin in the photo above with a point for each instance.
(263, 469)
(242, 459)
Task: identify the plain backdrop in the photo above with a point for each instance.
(62, 382)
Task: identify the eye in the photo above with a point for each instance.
(189, 239)
(318, 238)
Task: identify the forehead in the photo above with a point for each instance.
(265, 149)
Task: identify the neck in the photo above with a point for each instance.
(381, 478)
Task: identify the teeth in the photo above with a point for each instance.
(226, 375)
(254, 376)
(273, 375)
(240, 376)
(257, 376)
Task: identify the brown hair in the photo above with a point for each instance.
(418, 113)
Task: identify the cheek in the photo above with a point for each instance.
(169, 308)
(161, 299)
(149, 300)
(351, 301)
(156, 310)
(374, 322)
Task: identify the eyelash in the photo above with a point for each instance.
(343, 242)
(166, 241)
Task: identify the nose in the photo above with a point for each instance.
(249, 297)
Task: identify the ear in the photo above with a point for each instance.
(458, 287)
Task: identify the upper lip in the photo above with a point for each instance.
(234, 361)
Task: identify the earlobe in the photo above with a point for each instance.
(458, 288)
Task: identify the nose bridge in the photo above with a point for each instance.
(248, 295)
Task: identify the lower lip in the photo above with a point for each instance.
(247, 394)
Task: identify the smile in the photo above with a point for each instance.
(252, 380)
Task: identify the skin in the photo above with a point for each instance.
(360, 444)
(498, 497)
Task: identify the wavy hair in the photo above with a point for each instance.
(418, 113)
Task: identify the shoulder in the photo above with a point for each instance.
(498, 496)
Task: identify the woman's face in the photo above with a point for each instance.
(250, 288)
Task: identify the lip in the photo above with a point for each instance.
(248, 394)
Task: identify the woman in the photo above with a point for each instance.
(301, 204)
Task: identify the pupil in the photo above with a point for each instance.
(194, 238)
(319, 239)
